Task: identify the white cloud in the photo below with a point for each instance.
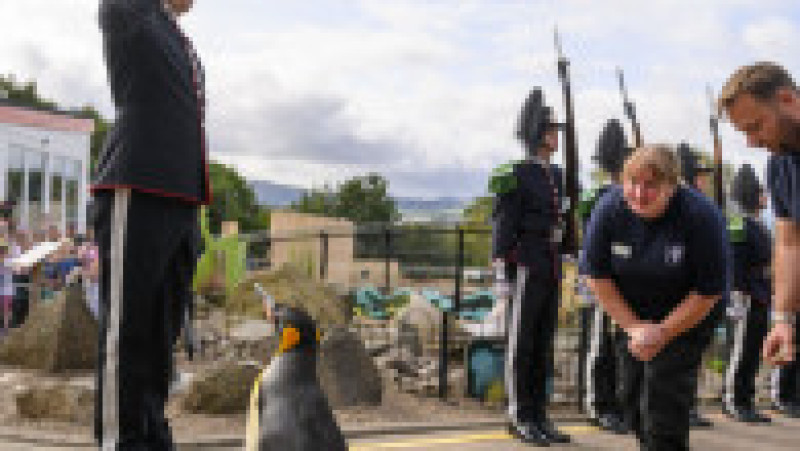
(772, 38)
(426, 92)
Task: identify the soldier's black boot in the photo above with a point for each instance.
(528, 432)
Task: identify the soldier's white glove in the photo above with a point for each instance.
(502, 286)
(737, 310)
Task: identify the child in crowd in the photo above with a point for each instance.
(90, 261)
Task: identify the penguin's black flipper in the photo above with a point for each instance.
(322, 427)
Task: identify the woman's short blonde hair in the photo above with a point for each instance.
(660, 158)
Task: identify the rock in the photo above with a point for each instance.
(418, 327)
(221, 390)
(252, 330)
(408, 336)
(347, 374)
(376, 348)
(63, 402)
(292, 287)
(57, 336)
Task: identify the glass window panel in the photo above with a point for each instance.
(16, 175)
(59, 168)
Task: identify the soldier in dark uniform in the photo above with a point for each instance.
(752, 285)
(151, 177)
(697, 176)
(598, 358)
(528, 226)
(656, 257)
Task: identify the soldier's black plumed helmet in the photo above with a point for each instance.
(612, 148)
(746, 190)
(691, 166)
(534, 120)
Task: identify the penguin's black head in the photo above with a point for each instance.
(295, 328)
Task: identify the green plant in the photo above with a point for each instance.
(224, 257)
(717, 365)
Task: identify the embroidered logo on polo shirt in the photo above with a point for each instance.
(621, 250)
(674, 254)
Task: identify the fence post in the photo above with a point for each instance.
(387, 241)
(323, 255)
(444, 342)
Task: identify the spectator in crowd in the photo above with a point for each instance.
(89, 258)
(6, 284)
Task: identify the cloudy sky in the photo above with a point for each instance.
(424, 92)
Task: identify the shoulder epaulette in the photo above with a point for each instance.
(735, 226)
(502, 179)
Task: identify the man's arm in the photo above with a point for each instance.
(786, 265)
(120, 19)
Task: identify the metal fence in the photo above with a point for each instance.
(450, 265)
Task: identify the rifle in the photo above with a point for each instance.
(571, 244)
(714, 124)
(630, 109)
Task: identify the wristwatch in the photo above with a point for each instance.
(784, 317)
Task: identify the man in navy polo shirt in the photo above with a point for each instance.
(656, 256)
(150, 179)
(762, 101)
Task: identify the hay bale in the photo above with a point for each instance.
(61, 402)
(292, 287)
(221, 390)
(57, 336)
(346, 372)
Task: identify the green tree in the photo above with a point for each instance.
(362, 200)
(477, 236)
(234, 200)
(316, 201)
(365, 200)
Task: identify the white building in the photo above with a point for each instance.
(44, 166)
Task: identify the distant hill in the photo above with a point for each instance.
(277, 195)
(442, 203)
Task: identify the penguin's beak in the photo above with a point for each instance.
(290, 337)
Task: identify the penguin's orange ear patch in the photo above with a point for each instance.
(319, 336)
(289, 339)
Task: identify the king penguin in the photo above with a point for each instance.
(288, 409)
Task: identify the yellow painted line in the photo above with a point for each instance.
(458, 439)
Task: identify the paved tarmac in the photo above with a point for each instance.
(782, 434)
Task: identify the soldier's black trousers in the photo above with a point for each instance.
(656, 396)
(533, 314)
(749, 332)
(599, 363)
(147, 255)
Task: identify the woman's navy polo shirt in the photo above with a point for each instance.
(657, 263)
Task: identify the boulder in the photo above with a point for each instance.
(61, 402)
(58, 336)
(347, 374)
(221, 390)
